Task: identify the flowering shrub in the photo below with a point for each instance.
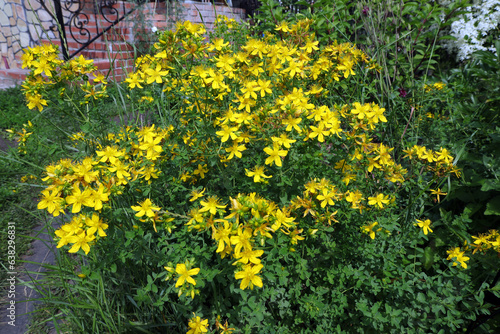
(49, 73)
(263, 196)
(475, 30)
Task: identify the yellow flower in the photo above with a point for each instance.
(79, 198)
(67, 231)
(439, 85)
(85, 171)
(96, 224)
(292, 123)
(318, 131)
(379, 200)
(145, 207)
(81, 241)
(250, 256)
(482, 239)
(222, 234)
(185, 275)
(42, 66)
(50, 201)
(282, 219)
(263, 87)
(459, 256)
(235, 150)
(227, 132)
(425, 225)
(327, 197)
(98, 196)
(378, 114)
(196, 217)
(283, 26)
(134, 80)
(110, 154)
(283, 140)
(257, 173)
(36, 101)
(211, 205)
(195, 194)
(81, 61)
(294, 235)
(197, 326)
(310, 46)
(438, 193)
(218, 44)
(275, 155)
(354, 198)
(224, 329)
(152, 147)
(155, 75)
(249, 276)
(444, 155)
(362, 110)
(369, 229)
(121, 171)
(201, 170)
(242, 240)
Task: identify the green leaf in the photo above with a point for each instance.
(490, 185)
(493, 207)
(428, 258)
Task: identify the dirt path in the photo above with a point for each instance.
(42, 252)
(5, 144)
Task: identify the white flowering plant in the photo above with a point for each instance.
(475, 30)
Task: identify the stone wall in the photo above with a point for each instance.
(21, 24)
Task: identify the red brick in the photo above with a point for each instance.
(16, 74)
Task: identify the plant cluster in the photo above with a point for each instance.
(48, 72)
(262, 195)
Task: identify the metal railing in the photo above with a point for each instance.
(76, 14)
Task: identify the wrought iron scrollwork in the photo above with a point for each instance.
(75, 14)
(78, 21)
(108, 10)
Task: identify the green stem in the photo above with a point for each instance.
(21, 161)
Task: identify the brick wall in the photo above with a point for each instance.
(26, 23)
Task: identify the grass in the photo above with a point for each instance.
(18, 198)
(13, 113)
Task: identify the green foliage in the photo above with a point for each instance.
(19, 172)
(403, 37)
(12, 114)
(142, 22)
(349, 222)
(330, 22)
(475, 128)
(334, 218)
